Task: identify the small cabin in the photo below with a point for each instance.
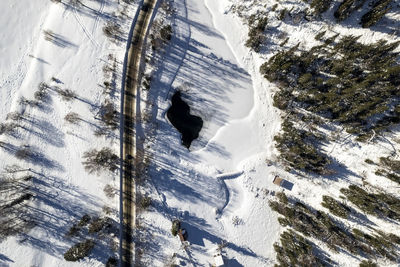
(283, 183)
(277, 180)
(218, 259)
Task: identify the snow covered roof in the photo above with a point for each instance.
(219, 261)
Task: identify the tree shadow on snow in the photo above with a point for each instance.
(53, 207)
(4, 259)
(33, 155)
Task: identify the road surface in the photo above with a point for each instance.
(129, 158)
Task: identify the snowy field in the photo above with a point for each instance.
(62, 45)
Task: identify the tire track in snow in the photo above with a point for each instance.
(85, 30)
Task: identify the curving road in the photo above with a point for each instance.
(128, 148)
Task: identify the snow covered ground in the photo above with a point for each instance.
(220, 188)
(75, 55)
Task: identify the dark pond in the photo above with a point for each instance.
(179, 115)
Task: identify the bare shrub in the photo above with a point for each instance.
(109, 114)
(66, 94)
(13, 168)
(111, 29)
(15, 216)
(56, 80)
(41, 94)
(167, 7)
(104, 159)
(48, 35)
(101, 131)
(171, 261)
(107, 210)
(24, 153)
(26, 102)
(109, 191)
(145, 202)
(107, 70)
(3, 144)
(107, 87)
(72, 117)
(16, 224)
(76, 3)
(15, 116)
(73, 231)
(8, 128)
(76, 227)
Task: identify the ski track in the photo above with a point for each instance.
(85, 30)
(97, 19)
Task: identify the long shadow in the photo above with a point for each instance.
(198, 230)
(323, 256)
(40, 60)
(59, 40)
(167, 183)
(88, 102)
(53, 206)
(45, 131)
(233, 263)
(5, 259)
(102, 130)
(211, 108)
(88, 11)
(34, 156)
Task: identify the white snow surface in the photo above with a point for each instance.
(217, 188)
(63, 191)
(220, 188)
